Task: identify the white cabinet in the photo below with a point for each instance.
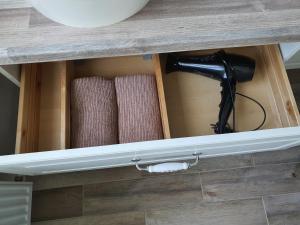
(188, 105)
(15, 203)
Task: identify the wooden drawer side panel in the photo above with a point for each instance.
(43, 120)
(280, 86)
(193, 100)
(28, 116)
(161, 96)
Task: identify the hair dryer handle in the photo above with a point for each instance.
(226, 106)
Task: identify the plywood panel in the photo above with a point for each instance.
(54, 106)
(111, 67)
(28, 115)
(281, 87)
(161, 94)
(43, 118)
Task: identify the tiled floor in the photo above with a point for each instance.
(256, 189)
(232, 190)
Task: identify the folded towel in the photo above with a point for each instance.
(94, 112)
(139, 112)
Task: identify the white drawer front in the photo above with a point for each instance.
(149, 152)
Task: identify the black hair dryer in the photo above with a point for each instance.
(227, 68)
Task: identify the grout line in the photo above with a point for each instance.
(264, 205)
(201, 184)
(226, 169)
(253, 160)
(277, 164)
(283, 194)
(82, 200)
(145, 217)
(232, 199)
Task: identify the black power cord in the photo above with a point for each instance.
(260, 105)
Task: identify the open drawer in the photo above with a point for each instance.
(188, 105)
(44, 105)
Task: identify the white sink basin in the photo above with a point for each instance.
(88, 13)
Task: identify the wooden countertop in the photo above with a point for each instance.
(163, 26)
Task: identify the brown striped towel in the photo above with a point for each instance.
(139, 112)
(94, 112)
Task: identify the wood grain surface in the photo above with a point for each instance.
(251, 182)
(257, 195)
(43, 108)
(162, 26)
(131, 218)
(192, 100)
(246, 212)
(283, 209)
(151, 193)
(57, 203)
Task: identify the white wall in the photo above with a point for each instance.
(291, 55)
(294, 62)
(11, 72)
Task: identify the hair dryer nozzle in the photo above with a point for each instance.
(172, 63)
(242, 67)
(219, 66)
(227, 68)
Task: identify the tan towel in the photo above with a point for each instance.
(94, 113)
(139, 112)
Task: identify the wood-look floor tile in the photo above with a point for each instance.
(7, 177)
(57, 203)
(251, 182)
(283, 209)
(223, 163)
(277, 157)
(243, 212)
(132, 218)
(84, 177)
(142, 194)
(129, 173)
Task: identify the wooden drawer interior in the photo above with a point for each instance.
(188, 102)
(43, 108)
(44, 105)
(193, 100)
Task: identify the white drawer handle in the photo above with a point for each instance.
(167, 167)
